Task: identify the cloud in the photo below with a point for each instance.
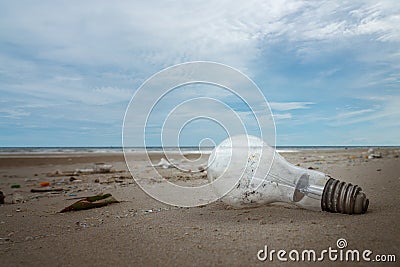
(139, 33)
(349, 114)
(81, 63)
(13, 113)
(282, 106)
(282, 116)
(324, 20)
(286, 106)
(385, 113)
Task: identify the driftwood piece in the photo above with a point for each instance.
(44, 190)
(91, 202)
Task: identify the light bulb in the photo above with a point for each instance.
(263, 176)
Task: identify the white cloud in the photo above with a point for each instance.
(108, 95)
(13, 113)
(286, 106)
(85, 59)
(281, 106)
(282, 116)
(349, 114)
(138, 33)
(386, 114)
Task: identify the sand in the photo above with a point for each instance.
(140, 231)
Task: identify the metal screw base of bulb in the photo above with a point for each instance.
(342, 197)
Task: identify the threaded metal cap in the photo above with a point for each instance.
(343, 197)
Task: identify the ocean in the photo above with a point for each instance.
(206, 150)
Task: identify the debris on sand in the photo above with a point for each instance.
(102, 167)
(91, 202)
(313, 168)
(2, 197)
(202, 168)
(44, 184)
(97, 168)
(58, 173)
(371, 154)
(17, 198)
(375, 156)
(164, 164)
(74, 180)
(84, 171)
(44, 190)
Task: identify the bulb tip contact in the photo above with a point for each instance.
(343, 197)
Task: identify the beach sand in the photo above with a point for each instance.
(140, 231)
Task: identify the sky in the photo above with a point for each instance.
(330, 70)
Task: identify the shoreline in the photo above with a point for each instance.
(121, 153)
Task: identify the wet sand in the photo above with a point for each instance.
(140, 231)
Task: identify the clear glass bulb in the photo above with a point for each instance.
(263, 176)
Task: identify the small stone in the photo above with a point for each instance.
(17, 198)
(262, 222)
